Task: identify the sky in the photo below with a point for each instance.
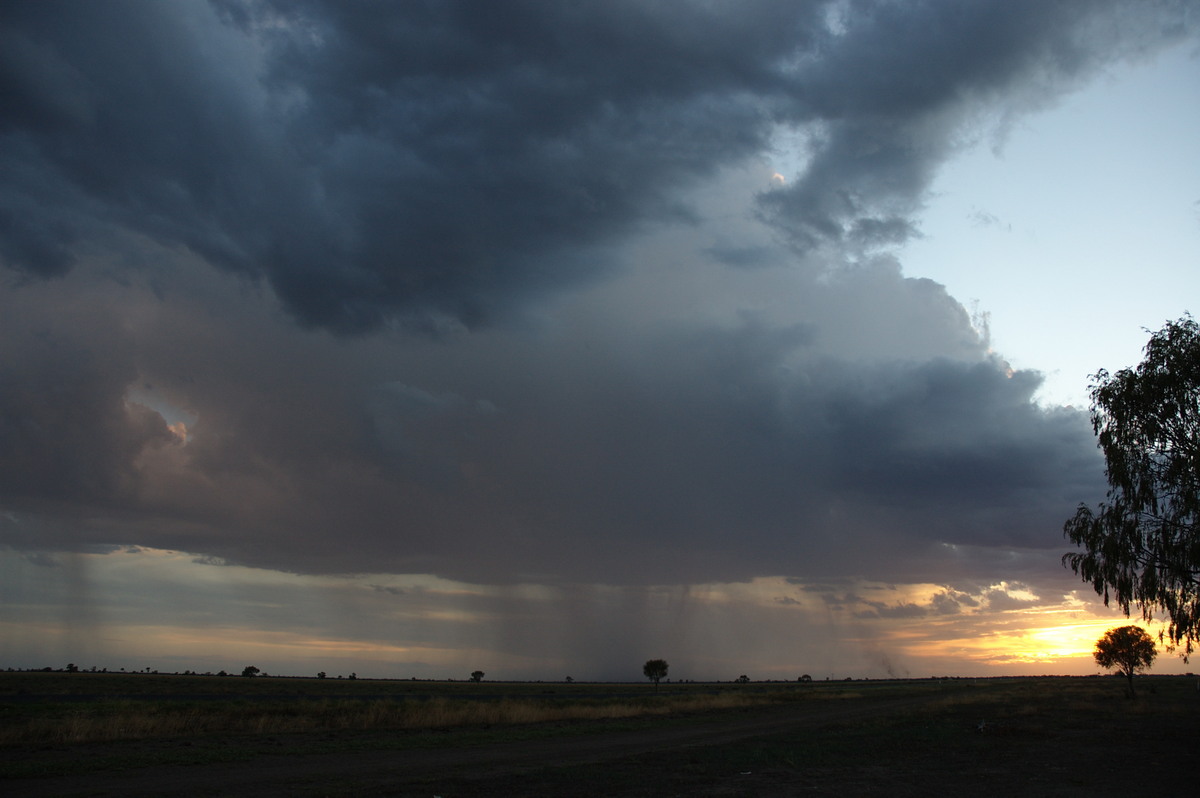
(544, 339)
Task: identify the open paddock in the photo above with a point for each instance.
(105, 734)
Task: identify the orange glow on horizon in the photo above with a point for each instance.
(1067, 644)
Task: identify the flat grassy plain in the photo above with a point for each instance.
(130, 734)
(62, 708)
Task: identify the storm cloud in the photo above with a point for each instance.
(504, 292)
(448, 161)
(601, 443)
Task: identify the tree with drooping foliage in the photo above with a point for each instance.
(1128, 649)
(1141, 547)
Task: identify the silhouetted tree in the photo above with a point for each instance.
(477, 676)
(321, 674)
(655, 669)
(570, 680)
(743, 679)
(1141, 546)
(1128, 649)
(805, 678)
(72, 667)
(250, 670)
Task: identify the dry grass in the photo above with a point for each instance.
(119, 720)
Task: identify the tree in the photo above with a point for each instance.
(655, 669)
(477, 676)
(1142, 546)
(1128, 649)
(250, 670)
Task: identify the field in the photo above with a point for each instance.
(142, 734)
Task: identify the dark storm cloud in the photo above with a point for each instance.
(657, 449)
(445, 161)
(711, 410)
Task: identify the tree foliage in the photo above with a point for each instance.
(1142, 546)
(1128, 649)
(655, 670)
(477, 676)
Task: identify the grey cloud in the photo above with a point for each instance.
(440, 164)
(743, 257)
(905, 610)
(1000, 600)
(190, 175)
(893, 95)
(662, 449)
(64, 426)
(951, 602)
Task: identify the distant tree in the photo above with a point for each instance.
(477, 676)
(1141, 546)
(222, 673)
(570, 680)
(1127, 649)
(655, 670)
(743, 679)
(352, 676)
(321, 674)
(72, 667)
(250, 670)
(805, 678)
